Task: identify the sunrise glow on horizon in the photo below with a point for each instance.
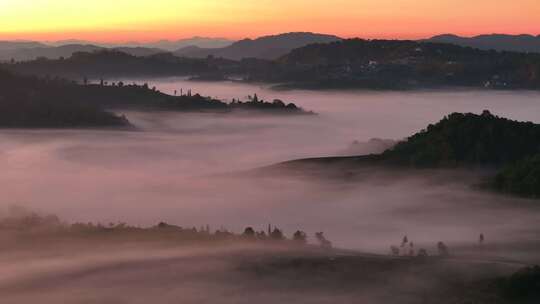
(125, 20)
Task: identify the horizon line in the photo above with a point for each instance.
(166, 39)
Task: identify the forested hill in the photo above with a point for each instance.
(478, 140)
(522, 177)
(396, 64)
(499, 42)
(30, 102)
(457, 141)
(468, 139)
(352, 63)
(111, 63)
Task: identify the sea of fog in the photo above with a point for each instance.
(172, 168)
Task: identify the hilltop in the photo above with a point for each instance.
(266, 47)
(498, 42)
(468, 139)
(396, 64)
(457, 141)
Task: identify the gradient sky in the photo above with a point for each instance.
(144, 20)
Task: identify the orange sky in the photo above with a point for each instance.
(143, 20)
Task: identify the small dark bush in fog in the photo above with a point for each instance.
(394, 250)
(443, 249)
(249, 233)
(322, 240)
(277, 235)
(300, 237)
(422, 253)
(261, 235)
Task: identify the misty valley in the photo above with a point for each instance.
(293, 168)
(162, 207)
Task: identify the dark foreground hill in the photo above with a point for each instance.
(458, 141)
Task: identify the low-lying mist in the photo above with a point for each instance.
(176, 168)
(172, 170)
(237, 274)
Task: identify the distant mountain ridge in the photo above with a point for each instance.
(111, 63)
(66, 51)
(30, 50)
(166, 45)
(13, 45)
(498, 42)
(266, 47)
(47, 52)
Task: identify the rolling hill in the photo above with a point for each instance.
(498, 42)
(25, 53)
(29, 102)
(457, 141)
(267, 47)
(13, 45)
(400, 64)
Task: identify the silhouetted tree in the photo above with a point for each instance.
(411, 249)
(422, 253)
(278, 103)
(300, 237)
(261, 235)
(394, 250)
(277, 234)
(405, 241)
(323, 242)
(442, 249)
(249, 232)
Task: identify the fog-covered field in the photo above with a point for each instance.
(172, 168)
